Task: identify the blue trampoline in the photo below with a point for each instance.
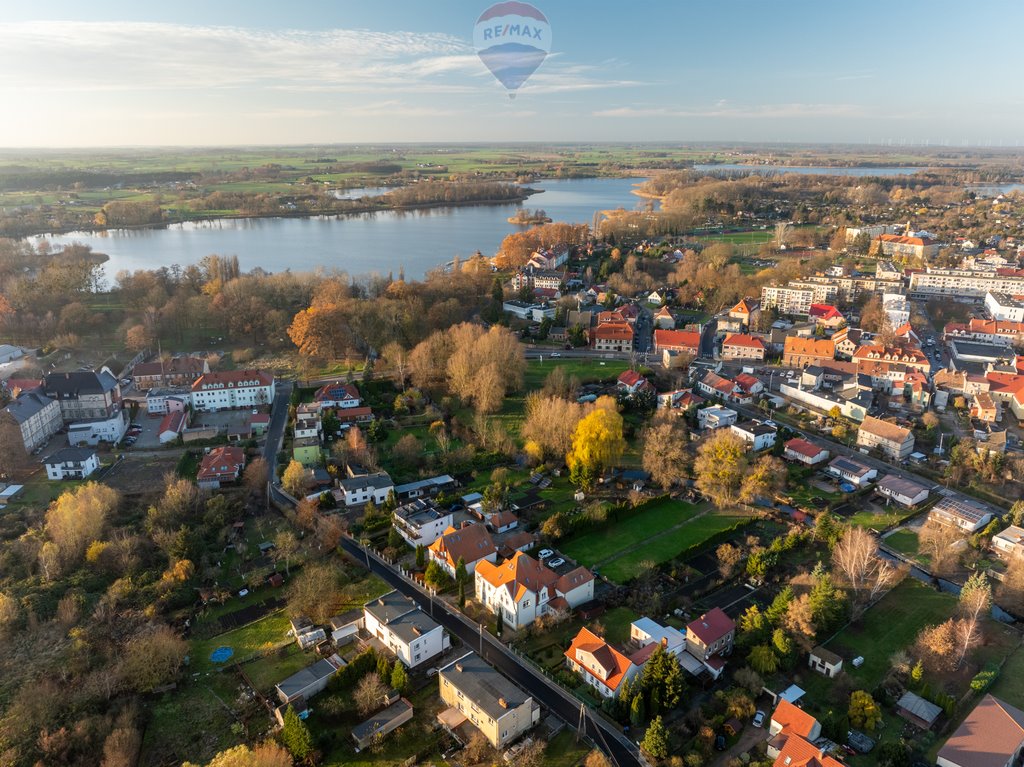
(221, 654)
(846, 487)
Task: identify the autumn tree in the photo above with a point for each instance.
(940, 543)
(13, 456)
(855, 557)
(369, 693)
(549, 425)
(77, 518)
(720, 467)
(596, 759)
(766, 479)
(314, 592)
(665, 454)
(137, 338)
(153, 658)
(255, 476)
(864, 712)
(267, 754)
(936, 646)
(729, 557)
(799, 622)
(597, 443)
(286, 546)
(763, 659)
(296, 480)
(1011, 589)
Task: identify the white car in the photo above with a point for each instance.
(556, 354)
(759, 719)
(556, 562)
(545, 553)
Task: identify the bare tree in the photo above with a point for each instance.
(856, 558)
(728, 557)
(975, 603)
(369, 693)
(940, 543)
(286, 546)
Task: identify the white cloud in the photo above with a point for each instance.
(759, 111)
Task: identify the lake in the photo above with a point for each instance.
(807, 170)
(381, 242)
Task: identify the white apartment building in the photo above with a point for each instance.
(413, 636)
(896, 308)
(37, 417)
(1004, 307)
(522, 589)
(962, 284)
(787, 300)
(232, 389)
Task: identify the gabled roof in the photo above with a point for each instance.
(70, 455)
(746, 382)
(797, 752)
(338, 390)
(814, 347)
(26, 405)
(221, 462)
(232, 379)
(711, 626)
(825, 312)
(613, 331)
(522, 575)
(686, 339)
(886, 430)
(742, 339)
(630, 378)
(612, 665)
(78, 383)
(990, 735)
(793, 720)
(804, 448)
(470, 543)
(173, 421)
(745, 306)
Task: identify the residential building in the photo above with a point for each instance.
(307, 451)
(612, 337)
(901, 246)
(492, 703)
(824, 290)
(757, 434)
(309, 681)
(715, 417)
(308, 423)
(1009, 543)
(800, 352)
(852, 470)
(794, 751)
(892, 440)
(965, 514)
(684, 341)
(365, 734)
(36, 416)
(1005, 307)
(523, 589)
(471, 543)
(787, 300)
(825, 662)
(171, 426)
(175, 371)
(680, 400)
(896, 308)
(421, 522)
(747, 312)
(789, 719)
(738, 346)
(358, 491)
(632, 383)
(846, 341)
(598, 663)
(526, 310)
(229, 389)
(715, 386)
(85, 394)
(709, 639)
(337, 394)
(93, 431)
(1004, 332)
(992, 735)
(71, 463)
(429, 486)
(905, 492)
(549, 258)
(663, 319)
(826, 315)
(802, 451)
(963, 284)
(162, 401)
(644, 632)
(412, 635)
(221, 466)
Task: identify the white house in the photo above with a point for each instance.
(805, 452)
(963, 513)
(644, 631)
(598, 663)
(95, 431)
(759, 435)
(161, 401)
(171, 426)
(366, 487)
(72, 463)
(715, 417)
(409, 633)
(228, 389)
(338, 395)
(522, 589)
(1009, 543)
(471, 543)
(420, 522)
(852, 470)
(905, 492)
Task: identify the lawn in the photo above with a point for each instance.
(905, 542)
(1009, 686)
(585, 369)
(596, 546)
(671, 544)
(616, 624)
(890, 625)
(564, 751)
(260, 636)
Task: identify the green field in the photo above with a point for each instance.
(667, 546)
(263, 635)
(890, 625)
(905, 542)
(595, 547)
(586, 370)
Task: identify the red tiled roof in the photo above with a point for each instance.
(797, 752)
(630, 378)
(221, 463)
(172, 422)
(742, 339)
(232, 379)
(803, 447)
(676, 339)
(615, 665)
(746, 381)
(793, 720)
(711, 626)
(825, 312)
(470, 543)
(613, 331)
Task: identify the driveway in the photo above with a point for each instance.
(750, 738)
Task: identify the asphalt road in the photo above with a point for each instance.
(622, 752)
(707, 339)
(275, 432)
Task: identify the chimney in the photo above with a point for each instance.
(502, 702)
(458, 667)
(664, 641)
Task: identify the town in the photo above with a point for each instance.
(600, 499)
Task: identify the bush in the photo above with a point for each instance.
(984, 678)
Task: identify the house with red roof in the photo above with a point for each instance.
(221, 466)
(614, 336)
(522, 589)
(471, 543)
(826, 315)
(740, 346)
(805, 452)
(631, 382)
(172, 425)
(337, 394)
(710, 638)
(790, 719)
(686, 341)
(598, 663)
(663, 319)
(680, 400)
(747, 312)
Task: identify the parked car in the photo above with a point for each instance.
(545, 553)
(556, 562)
(719, 743)
(759, 719)
(556, 354)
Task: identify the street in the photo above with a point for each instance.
(617, 746)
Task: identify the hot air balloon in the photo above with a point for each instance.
(512, 39)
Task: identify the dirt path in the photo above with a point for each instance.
(645, 541)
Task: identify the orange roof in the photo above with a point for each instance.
(599, 658)
(793, 720)
(825, 312)
(742, 339)
(990, 736)
(520, 574)
(905, 240)
(813, 347)
(745, 306)
(613, 331)
(887, 430)
(906, 355)
(676, 339)
(663, 312)
(221, 462)
(797, 752)
(469, 543)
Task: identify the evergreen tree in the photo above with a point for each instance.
(462, 595)
(777, 610)
(383, 667)
(421, 557)
(500, 624)
(461, 573)
(655, 742)
(637, 714)
(295, 736)
(399, 678)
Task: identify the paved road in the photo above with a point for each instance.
(707, 339)
(622, 751)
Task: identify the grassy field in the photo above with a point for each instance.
(595, 547)
(586, 370)
(263, 635)
(1010, 684)
(890, 625)
(905, 542)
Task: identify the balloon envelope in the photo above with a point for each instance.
(512, 39)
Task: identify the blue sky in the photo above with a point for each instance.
(192, 73)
